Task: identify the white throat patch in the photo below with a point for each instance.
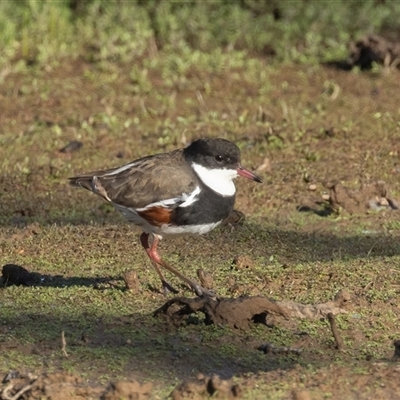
(219, 180)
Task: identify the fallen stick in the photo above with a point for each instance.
(6, 396)
(335, 332)
(63, 344)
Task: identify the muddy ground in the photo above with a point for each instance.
(74, 317)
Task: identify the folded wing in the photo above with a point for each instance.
(142, 182)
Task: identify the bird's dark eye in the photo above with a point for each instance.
(219, 159)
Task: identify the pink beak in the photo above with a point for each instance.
(248, 174)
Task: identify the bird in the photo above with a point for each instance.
(182, 192)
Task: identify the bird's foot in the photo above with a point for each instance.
(167, 288)
(201, 291)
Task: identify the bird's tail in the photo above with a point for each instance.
(90, 182)
(82, 181)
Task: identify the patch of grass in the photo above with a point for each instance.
(43, 32)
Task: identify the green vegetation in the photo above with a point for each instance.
(45, 32)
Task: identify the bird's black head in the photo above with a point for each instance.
(213, 154)
(217, 154)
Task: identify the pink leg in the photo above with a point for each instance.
(144, 240)
(157, 260)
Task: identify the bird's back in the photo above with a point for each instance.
(142, 182)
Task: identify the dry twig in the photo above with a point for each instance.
(64, 344)
(335, 332)
(6, 396)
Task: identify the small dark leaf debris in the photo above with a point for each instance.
(396, 344)
(12, 374)
(269, 348)
(75, 145)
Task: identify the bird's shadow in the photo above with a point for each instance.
(17, 275)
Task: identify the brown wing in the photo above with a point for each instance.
(145, 181)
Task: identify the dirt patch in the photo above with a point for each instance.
(205, 278)
(301, 395)
(378, 381)
(204, 386)
(238, 313)
(234, 219)
(374, 196)
(313, 125)
(243, 312)
(127, 390)
(131, 280)
(243, 261)
(60, 386)
(64, 386)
